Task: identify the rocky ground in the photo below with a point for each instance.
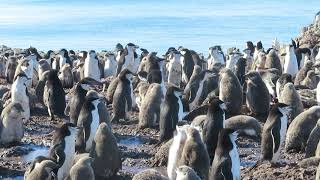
(139, 150)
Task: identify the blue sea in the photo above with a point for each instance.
(155, 25)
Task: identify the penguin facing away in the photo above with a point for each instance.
(274, 132)
(104, 149)
(54, 95)
(215, 121)
(62, 148)
(122, 99)
(226, 163)
(82, 170)
(170, 113)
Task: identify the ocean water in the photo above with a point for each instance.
(155, 25)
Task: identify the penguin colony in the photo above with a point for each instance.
(197, 104)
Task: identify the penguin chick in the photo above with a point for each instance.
(310, 80)
(149, 174)
(186, 173)
(82, 170)
(41, 168)
(66, 76)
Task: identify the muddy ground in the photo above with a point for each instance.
(138, 149)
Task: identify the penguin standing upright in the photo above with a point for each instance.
(122, 99)
(175, 150)
(54, 95)
(49, 57)
(104, 149)
(194, 153)
(174, 68)
(273, 61)
(226, 163)
(77, 98)
(110, 66)
(186, 173)
(128, 59)
(291, 97)
(290, 64)
(230, 92)
(149, 114)
(91, 66)
(64, 58)
(213, 123)
(19, 94)
(281, 82)
(170, 113)
(93, 112)
(274, 132)
(10, 69)
(66, 76)
(240, 70)
(215, 57)
(11, 124)
(187, 63)
(310, 80)
(257, 96)
(26, 67)
(63, 148)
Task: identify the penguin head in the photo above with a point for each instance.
(63, 52)
(92, 54)
(184, 51)
(53, 75)
(50, 54)
(118, 47)
(226, 139)
(67, 129)
(216, 104)
(193, 133)
(131, 47)
(311, 74)
(21, 78)
(125, 74)
(253, 76)
(83, 55)
(92, 95)
(109, 56)
(144, 52)
(259, 45)
(285, 78)
(250, 46)
(185, 172)
(174, 90)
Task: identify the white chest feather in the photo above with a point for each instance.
(173, 155)
(91, 69)
(290, 63)
(318, 93)
(234, 155)
(94, 125)
(62, 61)
(193, 105)
(69, 152)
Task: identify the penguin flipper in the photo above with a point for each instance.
(226, 171)
(57, 153)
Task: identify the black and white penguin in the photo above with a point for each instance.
(91, 66)
(230, 92)
(281, 82)
(187, 64)
(25, 66)
(194, 153)
(186, 173)
(62, 148)
(19, 94)
(82, 170)
(122, 99)
(234, 57)
(174, 68)
(43, 67)
(41, 168)
(300, 129)
(54, 95)
(170, 113)
(110, 66)
(11, 124)
(104, 149)
(64, 58)
(274, 132)
(78, 97)
(290, 64)
(249, 59)
(257, 95)
(301, 53)
(175, 150)
(10, 69)
(93, 112)
(129, 59)
(226, 163)
(49, 57)
(215, 57)
(214, 122)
